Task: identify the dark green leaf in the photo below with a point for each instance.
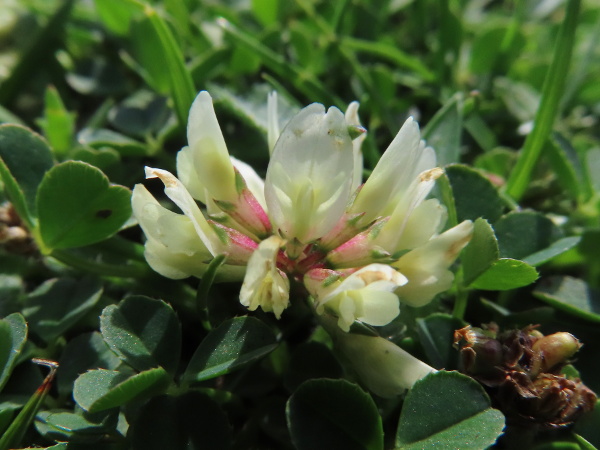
(505, 274)
(57, 305)
(481, 252)
(436, 334)
(326, 414)
(24, 159)
(102, 139)
(13, 335)
(76, 428)
(143, 332)
(85, 352)
(587, 426)
(232, 345)
(190, 421)
(571, 295)
(474, 195)
(447, 410)
(77, 206)
(444, 130)
(523, 233)
(99, 390)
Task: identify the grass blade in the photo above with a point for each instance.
(549, 105)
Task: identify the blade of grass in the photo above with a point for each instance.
(548, 109)
(181, 84)
(15, 432)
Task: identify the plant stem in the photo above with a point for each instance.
(134, 270)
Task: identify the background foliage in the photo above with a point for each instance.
(105, 85)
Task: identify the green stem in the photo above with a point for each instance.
(462, 297)
(548, 109)
(205, 283)
(134, 270)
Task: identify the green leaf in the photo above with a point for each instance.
(190, 421)
(13, 335)
(230, 346)
(24, 159)
(57, 305)
(82, 353)
(556, 248)
(481, 252)
(447, 410)
(141, 114)
(549, 105)
(58, 124)
(116, 14)
(523, 233)
(436, 334)
(587, 426)
(143, 332)
(99, 390)
(505, 274)
(102, 139)
(326, 414)
(571, 295)
(444, 130)
(170, 55)
(474, 195)
(76, 428)
(77, 206)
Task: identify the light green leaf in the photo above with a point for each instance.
(505, 274)
(481, 252)
(99, 390)
(447, 410)
(556, 248)
(77, 206)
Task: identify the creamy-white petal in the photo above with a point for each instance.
(209, 152)
(403, 160)
(426, 267)
(177, 192)
(309, 177)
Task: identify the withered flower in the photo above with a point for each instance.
(521, 370)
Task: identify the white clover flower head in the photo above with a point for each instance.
(358, 249)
